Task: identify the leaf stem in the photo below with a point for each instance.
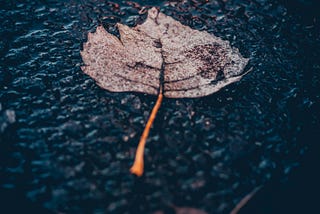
(138, 165)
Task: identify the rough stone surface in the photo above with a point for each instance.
(189, 63)
(6, 119)
(72, 142)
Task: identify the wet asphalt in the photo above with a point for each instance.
(66, 145)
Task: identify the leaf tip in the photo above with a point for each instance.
(153, 13)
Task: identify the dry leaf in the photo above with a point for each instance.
(160, 57)
(188, 62)
(181, 210)
(244, 200)
(188, 210)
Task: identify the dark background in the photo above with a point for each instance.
(66, 145)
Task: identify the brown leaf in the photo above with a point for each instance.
(188, 210)
(161, 51)
(182, 210)
(245, 200)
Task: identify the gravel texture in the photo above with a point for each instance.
(66, 145)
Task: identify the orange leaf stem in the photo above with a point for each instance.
(138, 165)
